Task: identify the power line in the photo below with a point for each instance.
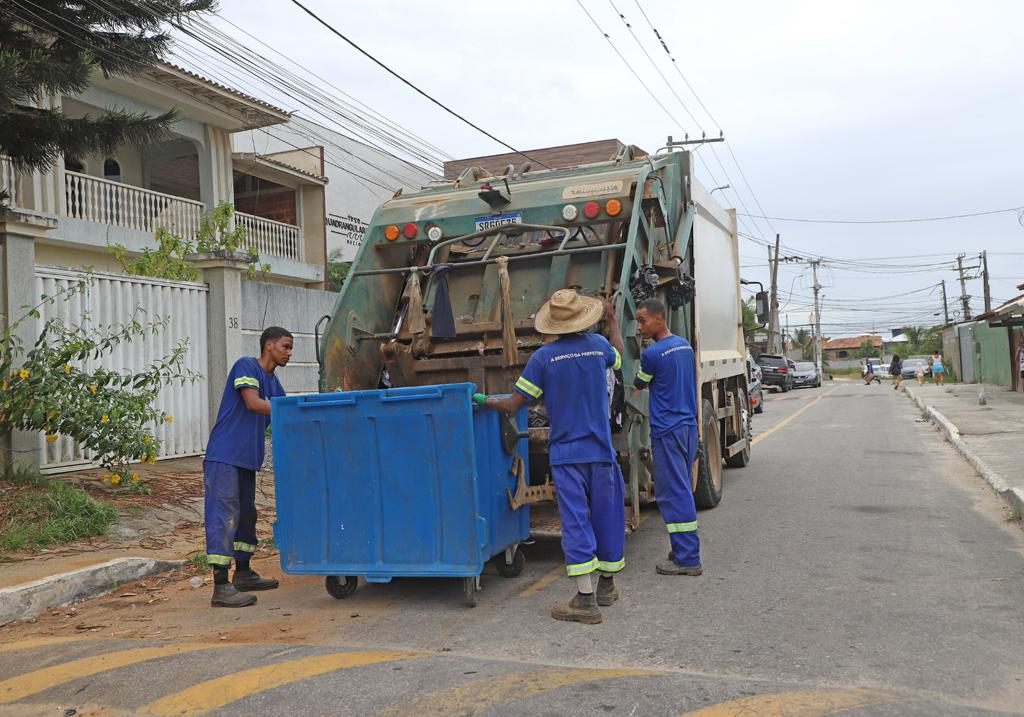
(411, 85)
(887, 221)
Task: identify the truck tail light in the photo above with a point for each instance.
(591, 209)
(570, 212)
(410, 230)
(391, 232)
(612, 207)
(434, 233)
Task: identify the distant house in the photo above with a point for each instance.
(847, 348)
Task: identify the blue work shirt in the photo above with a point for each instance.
(239, 434)
(667, 366)
(570, 374)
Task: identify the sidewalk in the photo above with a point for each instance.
(989, 437)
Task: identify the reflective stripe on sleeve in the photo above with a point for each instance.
(219, 559)
(681, 527)
(618, 360)
(526, 387)
(611, 567)
(246, 382)
(245, 547)
(581, 568)
(645, 377)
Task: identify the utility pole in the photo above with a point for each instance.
(965, 300)
(773, 315)
(945, 304)
(984, 273)
(817, 315)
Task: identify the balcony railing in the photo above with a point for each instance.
(271, 238)
(9, 181)
(121, 205)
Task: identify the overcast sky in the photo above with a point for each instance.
(868, 110)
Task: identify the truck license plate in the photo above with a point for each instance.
(497, 220)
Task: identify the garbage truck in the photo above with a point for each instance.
(448, 279)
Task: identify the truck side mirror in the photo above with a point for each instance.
(761, 306)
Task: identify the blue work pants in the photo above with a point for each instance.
(590, 505)
(673, 455)
(229, 501)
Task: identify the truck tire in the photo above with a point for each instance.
(708, 493)
(741, 459)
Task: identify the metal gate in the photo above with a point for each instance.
(113, 299)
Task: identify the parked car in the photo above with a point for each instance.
(806, 374)
(776, 372)
(911, 364)
(754, 377)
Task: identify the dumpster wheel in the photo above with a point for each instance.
(341, 586)
(471, 588)
(509, 570)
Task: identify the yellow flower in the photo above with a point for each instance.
(23, 373)
(147, 439)
(152, 460)
(115, 479)
(169, 419)
(67, 368)
(92, 387)
(50, 438)
(104, 418)
(135, 477)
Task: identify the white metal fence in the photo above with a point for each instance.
(9, 181)
(121, 205)
(271, 238)
(113, 299)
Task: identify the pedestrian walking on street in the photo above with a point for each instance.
(569, 373)
(919, 371)
(896, 371)
(938, 370)
(667, 368)
(233, 455)
(869, 373)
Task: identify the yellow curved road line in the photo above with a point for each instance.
(474, 696)
(761, 436)
(37, 642)
(809, 703)
(22, 686)
(222, 691)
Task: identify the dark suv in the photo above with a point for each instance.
(777, 371)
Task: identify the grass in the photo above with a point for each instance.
(199, 561)
(43, 510)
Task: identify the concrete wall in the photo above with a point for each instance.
(992, 360)
(297, 310)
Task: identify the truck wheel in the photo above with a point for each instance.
(341, 586)
(741, 459)
(509, 571)
(709, 465)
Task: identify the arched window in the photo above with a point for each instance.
(111, 170)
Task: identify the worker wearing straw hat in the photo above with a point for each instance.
(570, 375)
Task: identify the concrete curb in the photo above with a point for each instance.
(27, 600)
(1014, 497)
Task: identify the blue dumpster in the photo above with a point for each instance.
(402, 482)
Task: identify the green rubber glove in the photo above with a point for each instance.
(480, 398)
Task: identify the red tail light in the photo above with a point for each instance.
(783, 369)
(591, 209)
(410, 230)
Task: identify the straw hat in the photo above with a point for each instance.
(566, 312)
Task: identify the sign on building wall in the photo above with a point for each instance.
(346, 233)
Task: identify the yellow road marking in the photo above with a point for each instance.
(543, 581)
(811, 703)
(470, 698)
(221, 691)
(22, 686)
(36, 642)
(761, 436)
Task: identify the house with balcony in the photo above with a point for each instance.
(124, 197)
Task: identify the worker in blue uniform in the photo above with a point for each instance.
(233, 455)
(667, 368)
(569, 374)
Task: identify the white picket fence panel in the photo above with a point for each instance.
(113, 299)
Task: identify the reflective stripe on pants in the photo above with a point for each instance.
(673, 454)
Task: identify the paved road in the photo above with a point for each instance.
(855, 566)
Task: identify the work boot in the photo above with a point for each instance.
(606, 592)
(225, 595)
(671, 567)
(582, 608)
(246, 580)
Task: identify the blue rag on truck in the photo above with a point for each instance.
(442, 320)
